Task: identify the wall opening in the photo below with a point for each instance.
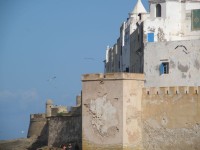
(150, 37)
(158, 10)
(127, 69)
(140, 16)
(164, 68)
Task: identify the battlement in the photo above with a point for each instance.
(56, 110)
(171, 90)
(38, 117)
(112, 76)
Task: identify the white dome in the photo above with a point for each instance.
(49, 102)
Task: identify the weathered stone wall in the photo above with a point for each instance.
(37, 125)
(171, 118)
(132, 94)
(64, 130)
(184, 63)
(108, 121)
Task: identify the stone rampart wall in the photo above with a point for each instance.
(64, 130)
(37, 125)
(171, 118)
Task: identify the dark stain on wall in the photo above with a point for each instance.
(196, 64)
(183, 68)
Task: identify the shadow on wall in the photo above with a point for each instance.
(65, 130)
(41, 140)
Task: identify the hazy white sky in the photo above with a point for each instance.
(45, 47)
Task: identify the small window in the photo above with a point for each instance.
(164, 68)
(150, 37)
(140, 16)
(158, 10)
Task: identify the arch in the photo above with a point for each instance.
(158, 10)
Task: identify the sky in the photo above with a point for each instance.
(45, 47)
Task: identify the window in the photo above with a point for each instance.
(127, 69)
(140, 16)
(164, 68)
(158, 10)
(195, 19)
(121, 50)
(150, 37)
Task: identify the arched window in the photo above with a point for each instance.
(158, 10)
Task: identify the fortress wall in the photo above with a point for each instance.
(132, 133)
(171, 118)
(37, 125)
(64, 130)
(108, 102)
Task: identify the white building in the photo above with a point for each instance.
(151, 43)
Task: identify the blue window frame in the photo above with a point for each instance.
(164, 68)
(150, 37)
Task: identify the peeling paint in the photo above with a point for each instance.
(151, 29)
(104, 116)
(161, 35)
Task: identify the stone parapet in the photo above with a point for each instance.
(171, 90)
(112, 76)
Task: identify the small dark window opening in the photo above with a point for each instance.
(140, 16)
(127, 69)
(164, 68)
(121, 50)
(158, 10)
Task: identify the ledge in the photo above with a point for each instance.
(112, 76)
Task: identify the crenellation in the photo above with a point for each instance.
(159, 91)
(37, 116)
(173, 90)
(182, 90)
(167, 91)
(170, 90)
(92, 76)
(112, 76)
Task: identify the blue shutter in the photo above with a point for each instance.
(150, 37)
(161, 69)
